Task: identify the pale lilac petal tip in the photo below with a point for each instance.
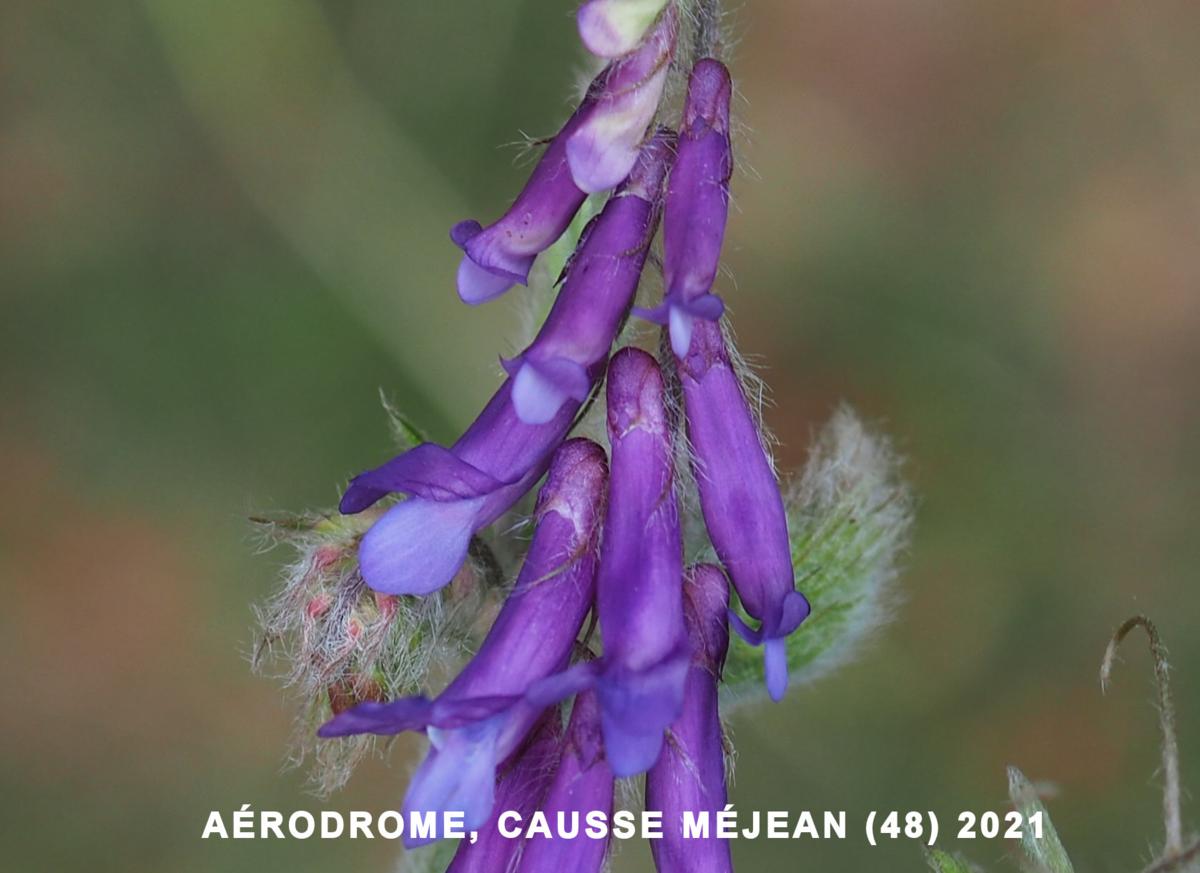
(680, 323)
(776, 667)
(477, 285)
(458, 775)
(636, 709)
(612, 28)
(599, 163)
(540, 388)
(418, 545)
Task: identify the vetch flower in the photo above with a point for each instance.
(500, 255)
(740, 500)
(612, 28)
(639, 587)
(690, 773)
(482, 716)
(601, 281)
(521, 790)
(582, 783)
(419, 544)
(697, 206)
(604, 148)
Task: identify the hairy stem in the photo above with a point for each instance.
(1177, 862)
(1166, 714)
(708, 28)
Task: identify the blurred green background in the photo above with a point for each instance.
(223, 230)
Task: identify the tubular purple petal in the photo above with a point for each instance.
(500, 255)
(583, 783)
(640, 580)
(602, 279)
(603, 150)
(690, 775)
(482, 716)
(697, 206)
(740, 499)
(520, 789)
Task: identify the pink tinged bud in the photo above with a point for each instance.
(739, 497)
(349, 693)
(500, 255)
(582, 783)
(612, 28)
(601, 281)
(603, 150)
(482, 716)
(386, 604)
(690, 774)
(325, 557)
(697, 206)
(318, 606)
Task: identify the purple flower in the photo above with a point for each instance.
(521, 790)
(583, 783)
(697, 207)
(602, 151)
(690, 773)
(482, 716)
(602, 279)
(419, 544)
(612, 28)
(499, 256)
(740, 500)
(639, 587)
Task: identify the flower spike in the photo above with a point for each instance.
(601, 282)
(419, 544)
(482, 716)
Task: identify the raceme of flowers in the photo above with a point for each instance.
(607, 538)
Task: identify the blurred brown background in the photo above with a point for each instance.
(223, 229)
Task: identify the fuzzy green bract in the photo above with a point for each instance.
(849, 516)
(1046, 855)
(943, 862)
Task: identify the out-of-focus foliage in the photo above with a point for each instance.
(943, 862)
(1043, 848)
(223, 229)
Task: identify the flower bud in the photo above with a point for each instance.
(605, 147)
(697, 206)
(612, 28)
(739, 497)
